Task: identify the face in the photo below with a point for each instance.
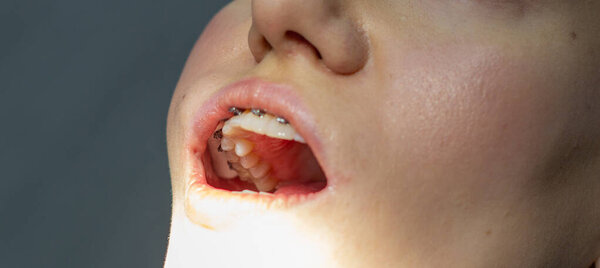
(442, 133)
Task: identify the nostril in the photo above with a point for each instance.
(315, 29)
(258, 44)
(298, 39)
(289, 42)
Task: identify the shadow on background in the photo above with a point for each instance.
(84, 92)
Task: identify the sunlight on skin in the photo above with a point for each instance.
(452, 133)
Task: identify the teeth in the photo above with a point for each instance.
(220, 167)
(260, 122)
(277, 130)
(236, 120)
(259, 170)
(227, 144)
(252, 192)
(249, 160)
(257, 124)
(231, 129)
(238, 150)
(218, 134)
(232, 157)
(265, 184)
(243, 147)
(299, 138)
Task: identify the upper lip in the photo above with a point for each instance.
(213, 208)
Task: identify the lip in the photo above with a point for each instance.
(215, 208)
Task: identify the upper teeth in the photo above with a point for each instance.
(258, 121)
(243, 147)
(239, 151)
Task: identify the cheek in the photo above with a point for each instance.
(217, 57)
(223, 46)
(473, 111)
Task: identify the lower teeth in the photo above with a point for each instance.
(252, 192)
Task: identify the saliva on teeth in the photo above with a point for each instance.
(239, 151)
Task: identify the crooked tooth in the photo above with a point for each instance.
(249, 160)
(243, 147)
(265, 184)
(260, 170)
(227, 144)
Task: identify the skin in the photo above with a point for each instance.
(468, 132)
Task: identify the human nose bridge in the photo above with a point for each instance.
(334, 35)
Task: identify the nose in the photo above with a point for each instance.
(321, 29)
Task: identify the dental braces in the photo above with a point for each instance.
(257, 112)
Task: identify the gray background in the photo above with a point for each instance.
(84, 92)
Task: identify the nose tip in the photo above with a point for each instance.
(318, 28)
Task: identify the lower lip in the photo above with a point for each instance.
(216, 208)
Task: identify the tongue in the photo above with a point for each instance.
(290, 161)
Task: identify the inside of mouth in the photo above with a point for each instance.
(261, 152)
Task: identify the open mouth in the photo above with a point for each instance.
(257, 152)
(253, 148)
